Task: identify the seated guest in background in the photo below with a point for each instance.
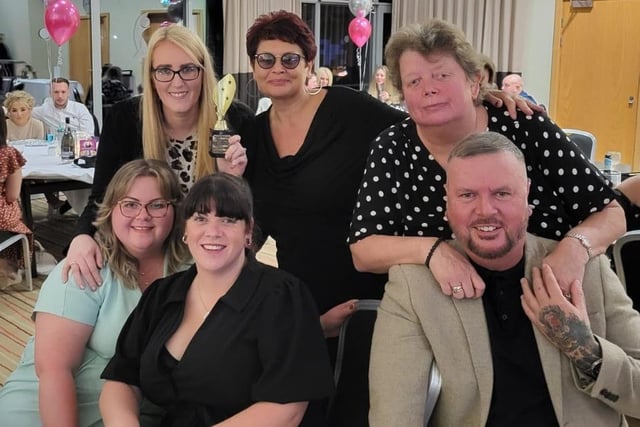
(382, 89)
(11, 162)
(113, 90)
(230, 341)
(53, 113)
(528, 353)
(513, 84)
(58, 379)
(325, 76)
(400, 215)
(22, 124)
(58, 107)
(630, 188)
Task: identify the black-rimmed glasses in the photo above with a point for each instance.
(268, 60)
(155, 208)
(186, 73)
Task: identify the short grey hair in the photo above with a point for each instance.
(485, 143)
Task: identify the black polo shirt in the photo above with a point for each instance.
(520, 395)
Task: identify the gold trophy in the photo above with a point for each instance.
(219, 135)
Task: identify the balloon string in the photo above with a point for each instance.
(359, 61)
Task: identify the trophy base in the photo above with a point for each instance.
(219, 143)
(218, 154)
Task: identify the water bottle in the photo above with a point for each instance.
(67, 144)
(608, 163)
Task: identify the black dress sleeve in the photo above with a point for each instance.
(291, 347)
(120, 142)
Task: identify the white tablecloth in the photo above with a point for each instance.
(42, 165)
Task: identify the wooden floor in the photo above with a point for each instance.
(16, 325)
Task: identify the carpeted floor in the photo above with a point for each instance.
(16, 305)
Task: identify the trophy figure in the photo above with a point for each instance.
(219, 135)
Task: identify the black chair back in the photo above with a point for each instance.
(626, 253)
(585, 141)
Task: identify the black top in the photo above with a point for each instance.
(121, 142)
(305, 201)
(261, 342)
(402, 191)
(520, 395)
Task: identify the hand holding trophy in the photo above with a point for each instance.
(219, 135)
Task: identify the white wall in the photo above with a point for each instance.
(534, 23)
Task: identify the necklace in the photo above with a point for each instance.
(204, 305)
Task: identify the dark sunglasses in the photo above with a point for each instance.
(268, 60)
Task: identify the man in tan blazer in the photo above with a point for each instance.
(527, 353)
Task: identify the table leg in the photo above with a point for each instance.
(25, 197)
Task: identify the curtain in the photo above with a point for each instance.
(488, 24)
(238, 17)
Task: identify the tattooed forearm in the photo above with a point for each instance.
(571, 335)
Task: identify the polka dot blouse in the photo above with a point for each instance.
(402, 190)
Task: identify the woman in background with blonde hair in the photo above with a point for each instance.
(169, 122)
(383, 90)
(325, 76)
(21, 123)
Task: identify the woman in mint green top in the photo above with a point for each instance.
(57, 381)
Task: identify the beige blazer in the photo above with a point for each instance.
(417, 323)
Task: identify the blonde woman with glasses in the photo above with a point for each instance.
(169, 122)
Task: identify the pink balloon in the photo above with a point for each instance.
(359, 30)
(62, 20)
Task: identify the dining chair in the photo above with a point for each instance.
(7, 239)
(350, 404)
(585, 141)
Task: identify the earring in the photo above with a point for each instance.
(312, 92)
(248, 242)
(184, 239)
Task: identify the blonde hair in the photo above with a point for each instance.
(19, 96)
(154, 138)
(327, 73)
(124, 265)
(395, 97)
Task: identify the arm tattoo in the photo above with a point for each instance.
(571, 335)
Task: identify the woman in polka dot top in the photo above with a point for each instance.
(400, 211)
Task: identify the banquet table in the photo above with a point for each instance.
(44, 172)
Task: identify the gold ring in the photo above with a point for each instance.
(456, 289)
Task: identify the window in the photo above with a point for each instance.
(330, 22)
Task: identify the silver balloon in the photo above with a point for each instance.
(360, 8)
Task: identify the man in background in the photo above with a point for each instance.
(53, 113)
(525, 353)
(513, 84)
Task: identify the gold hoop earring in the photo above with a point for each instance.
(312, 92)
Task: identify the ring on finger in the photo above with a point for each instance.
(456, 289)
